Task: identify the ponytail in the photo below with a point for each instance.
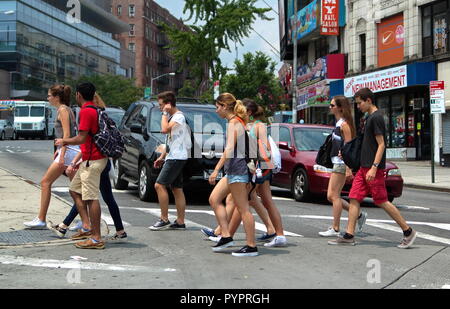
(98, 101)
(240, 110)
(63, 92)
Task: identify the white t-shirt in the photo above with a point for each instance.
(179, 139)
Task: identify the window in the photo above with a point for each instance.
(321, 47)
(142, 116)
(285, 135)
(131, 10)
(133, 116)
(362, 44)
(119, 10)
(132, 47)
(435, 28)
(132, 27)
(147, 51)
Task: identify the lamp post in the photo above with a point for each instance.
(157, 77)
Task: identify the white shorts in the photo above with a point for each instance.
(71, 152)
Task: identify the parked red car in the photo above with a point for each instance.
(298, 146)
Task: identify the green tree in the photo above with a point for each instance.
(114, 90)
(255, 78)
(188, 91)
(221, 22)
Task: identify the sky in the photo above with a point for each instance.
(268, 29)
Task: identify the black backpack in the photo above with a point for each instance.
(324, 155)
(351, 152)
(108, 139)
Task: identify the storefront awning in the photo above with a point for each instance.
(414, 74)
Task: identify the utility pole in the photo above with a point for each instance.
(294, 69)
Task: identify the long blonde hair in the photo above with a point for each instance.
(236, 106)
(98, 101)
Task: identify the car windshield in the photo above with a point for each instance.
(37, 111)
(310, 139)
(22, 111)
(202, 120)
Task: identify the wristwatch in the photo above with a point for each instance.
(165, 113)
(376, 164)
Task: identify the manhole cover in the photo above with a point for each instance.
(27, 236)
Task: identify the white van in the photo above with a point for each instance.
(34, 119)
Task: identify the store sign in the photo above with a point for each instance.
(384, 80)
(306, 20)
(317, 94)
(329, 24)
(310, 74)
(391, 41)
(437, 97)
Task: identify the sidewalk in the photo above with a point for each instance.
(19, 202)
(417, 174)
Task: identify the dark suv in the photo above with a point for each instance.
(141, 127)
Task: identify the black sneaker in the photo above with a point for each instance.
(177, 226)
(160, 225)
(223, 243)
(246, 251)
(117, 238)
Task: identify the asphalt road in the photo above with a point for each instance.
(183, 259)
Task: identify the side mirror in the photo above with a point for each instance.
(285, 146)
(136, 128)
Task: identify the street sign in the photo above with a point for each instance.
(437, 97)
(147, 93)
(216, 89)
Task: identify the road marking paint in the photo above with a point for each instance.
(412, 207)
(34, 262)
(66, 190)
(157, 212)
(419, 234)
(442, 226)
(276, 198)
(446, 286)
(109, 220)
(10, 151)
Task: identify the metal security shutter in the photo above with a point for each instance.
(446, 133)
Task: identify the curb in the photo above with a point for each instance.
(426, 187)
(57, 242)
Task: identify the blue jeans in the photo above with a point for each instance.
(106, 191)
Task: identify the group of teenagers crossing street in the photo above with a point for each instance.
(246, 183)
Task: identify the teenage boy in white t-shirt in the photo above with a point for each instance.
(174, 124)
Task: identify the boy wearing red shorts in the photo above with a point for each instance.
(370, 177)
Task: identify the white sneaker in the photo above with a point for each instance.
(76, 227)
(36, 224)
(329, 233)
(361, 221)
(279, 241)
(215, 239)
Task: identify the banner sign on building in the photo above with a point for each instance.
(307, 75)
(391, 41)
(306, 20)
(389, 79)
(317, 94)
(437, 97)
(329, 17)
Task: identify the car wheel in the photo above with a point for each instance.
(14, 136)
(117, 172)
(2, 137)
(300, 185)
(146, 185)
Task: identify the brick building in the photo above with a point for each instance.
(147, 41)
